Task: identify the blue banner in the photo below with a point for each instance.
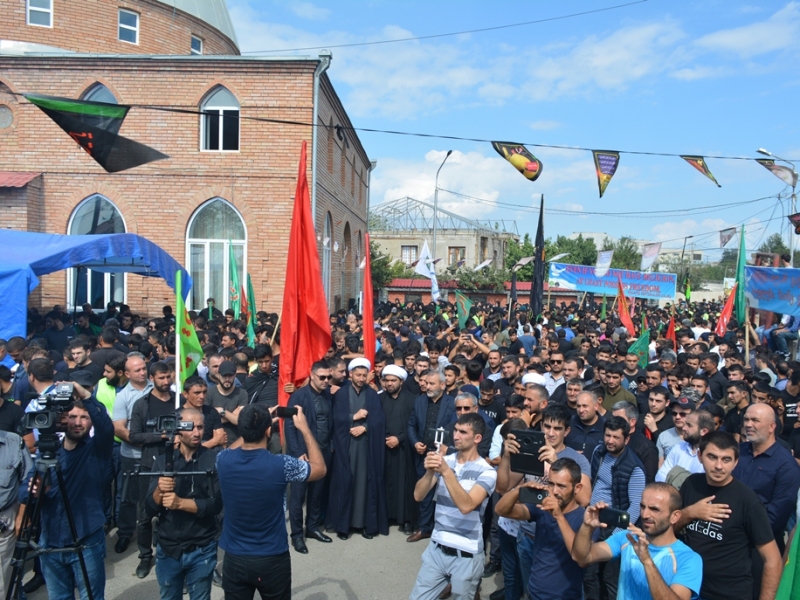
(636, 284)
(768, 288)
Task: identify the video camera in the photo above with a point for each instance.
(48, 420)
(169, 424)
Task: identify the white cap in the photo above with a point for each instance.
(359, 362)
(533, 378)
(394, 371)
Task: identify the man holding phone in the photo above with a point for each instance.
(553, 572)
(655, 564)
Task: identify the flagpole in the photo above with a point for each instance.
(275, 331)
(178, 320)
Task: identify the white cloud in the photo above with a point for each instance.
(673, 232)
(545, 125)
(779, 32)
(307, 10)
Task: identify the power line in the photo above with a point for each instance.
(454, 33)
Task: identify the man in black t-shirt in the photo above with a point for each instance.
(490, 404)
(10, 416)
(725, 523)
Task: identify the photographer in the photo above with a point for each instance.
(15, 463)
(255, 541)
(84, 466)
(186, 507)
(159, 402)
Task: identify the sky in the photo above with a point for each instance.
(710, 77)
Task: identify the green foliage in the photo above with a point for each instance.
(384, 268)
(485, 279)
(774, 244)
(581, 251)
(515, 251)
(626, 253)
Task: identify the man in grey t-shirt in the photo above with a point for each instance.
(227, 399)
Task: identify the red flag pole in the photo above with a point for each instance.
(367, 309)
(725, 316)
(305, 326)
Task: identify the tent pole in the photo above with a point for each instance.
(75, 297)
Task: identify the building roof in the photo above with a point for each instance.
(424, 283)
(213, 12)
(11, 179)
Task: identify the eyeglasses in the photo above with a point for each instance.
(556, 362)
(463, 408)
(679, 413)
(324, 377)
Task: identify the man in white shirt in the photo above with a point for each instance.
(684, 455)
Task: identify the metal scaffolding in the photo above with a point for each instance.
(409, 214)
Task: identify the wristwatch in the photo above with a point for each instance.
(222, 413)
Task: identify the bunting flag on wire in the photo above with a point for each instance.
(650, 255)
(699, 163)
(606, 163)
(95, 126)
(785, 174)
(521, 159)
(726, 235)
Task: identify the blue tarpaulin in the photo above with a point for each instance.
(25, 256)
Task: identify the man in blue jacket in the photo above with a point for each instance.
(432, 410)
(84, 464)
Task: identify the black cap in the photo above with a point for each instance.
(227, 368)
(83, 377)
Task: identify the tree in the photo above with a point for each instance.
(483, 279)
(774, 244)
(582, 251)
(626, 253)
(515, 251)
(384, 268)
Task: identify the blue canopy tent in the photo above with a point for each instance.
(27, 255)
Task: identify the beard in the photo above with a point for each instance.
(75, 436)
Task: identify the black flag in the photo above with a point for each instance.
(95, 127)
(537, 287)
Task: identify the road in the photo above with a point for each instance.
(357, 569)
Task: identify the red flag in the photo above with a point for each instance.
(368, 319)
(305, 328)
(670, 335)
(624, 315)
(725, 317)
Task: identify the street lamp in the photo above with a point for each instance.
(436, 202)
(794, 197)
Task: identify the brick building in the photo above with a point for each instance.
(229, 181)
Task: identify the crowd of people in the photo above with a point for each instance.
(671, 475)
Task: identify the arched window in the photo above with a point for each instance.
(327, 242)
(95, 215)
(219, 125)
(214, 229)
(100, 93)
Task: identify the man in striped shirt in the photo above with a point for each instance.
(464, 483)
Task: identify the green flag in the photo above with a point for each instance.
(234, 302)
(790, 580)
(191, 352)
(251, 305)
(740, 301)
(463, 304)
(641, 347)
(95, 126)
(603, 308)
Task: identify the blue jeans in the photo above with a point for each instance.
(196, 567)
(781, 339)
(512, 577)
(525, 554)
(62, 570)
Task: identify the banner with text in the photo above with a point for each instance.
(768, 288)
(635, 283)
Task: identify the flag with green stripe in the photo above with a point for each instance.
(95, 126)
(464, 305)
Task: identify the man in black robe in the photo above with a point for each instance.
(357, 498)
(399, 473)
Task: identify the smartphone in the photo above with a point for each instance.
(613, 517)
(529, 495)
(527, 459)
(286, 412)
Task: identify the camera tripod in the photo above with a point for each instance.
(26, 547)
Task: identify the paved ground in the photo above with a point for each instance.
(358, 569)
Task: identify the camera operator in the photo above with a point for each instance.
(254, 539)
(186, 507)
(84, 466)
(15, 464)
(159, 402)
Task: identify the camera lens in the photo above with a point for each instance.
(41, 420)
(526, 441)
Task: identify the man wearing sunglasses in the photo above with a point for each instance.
(555, 377)
(680, 408)
(315, 401)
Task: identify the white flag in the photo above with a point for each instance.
(603, 263)
(425, 268)
(649, 255)
(484, 264)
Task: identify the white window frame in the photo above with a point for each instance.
(191, 47)
(413, 252)
(120, 25)
(206, 242)
(29, 8)
(107, 292)
(220, 110)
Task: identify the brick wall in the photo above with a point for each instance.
(158, 200)
(91, 26)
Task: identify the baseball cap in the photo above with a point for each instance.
(227, 368)
(688, 398)
(83, 377)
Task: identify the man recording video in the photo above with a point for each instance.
(186, 506)
(84, 465)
